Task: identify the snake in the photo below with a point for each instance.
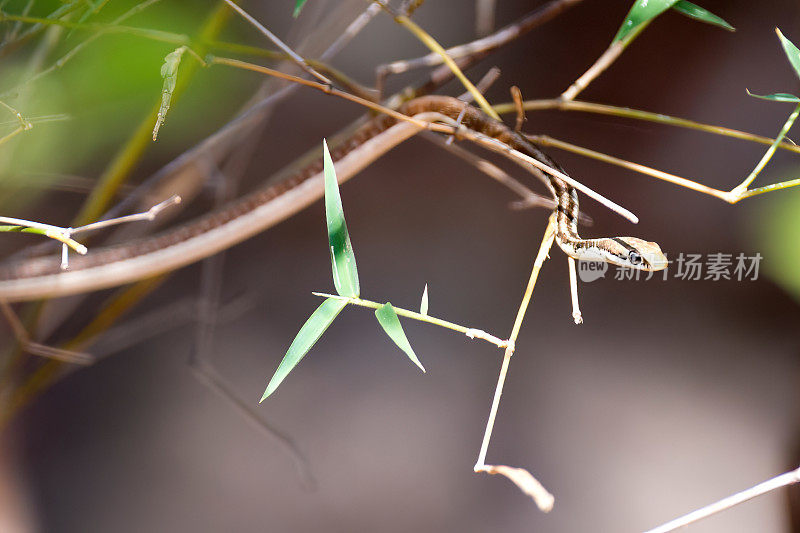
(119, 264)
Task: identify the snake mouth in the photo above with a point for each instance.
(657, 262)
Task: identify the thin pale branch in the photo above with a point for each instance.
(545, 140)
(742, 187)
(510, 32)
(431, 43)
(277, 42)
(472, 333)
(626, 112)
(789, 478)
(603, 62)
(522, 478)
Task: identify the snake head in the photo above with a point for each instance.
(635, 253)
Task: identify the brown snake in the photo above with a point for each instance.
(263, 208)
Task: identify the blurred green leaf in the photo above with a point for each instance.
(696, 12)
(298, 6)
(778, 223)
(21, 229)
(776, 97)
(423, 306)
(343, 260)
(791, 52)
(308, 335)
(644, 11)
(387, 317)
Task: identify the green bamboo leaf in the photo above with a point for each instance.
(423, 306)
(169, 71)
(308, 335)
(777, 97)
(791, 51)
(696, 12)
(297, 7)
(387, 317)
(641, 13)
(644, 11)
(343, 260)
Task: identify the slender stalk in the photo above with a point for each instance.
(770, 188)
(340, 77)
(9, 136)
(280, 44)
(431, 43)
(24, 124)
(518, 156)
(526, 195)
(603, 62)
(789, 478)
(544, 248)
(214, 60)
(15, 41)
(472, 333)
(34, 348)
(156, 35)
(626, 112)
(150, 214)
(53, 232)
(742, 187)
(41, 119)
(573, 289)
(113, 308)
(677, 180)
(481, 47)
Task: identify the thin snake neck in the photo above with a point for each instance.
(466, 115)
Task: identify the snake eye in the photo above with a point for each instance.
(635, 259)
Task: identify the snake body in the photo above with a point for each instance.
(263, 208)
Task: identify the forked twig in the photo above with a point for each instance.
(733, 196)
(522, 478)
(148, 215)
(35, 348)
(208, 376)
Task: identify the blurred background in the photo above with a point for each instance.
(671, 395)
